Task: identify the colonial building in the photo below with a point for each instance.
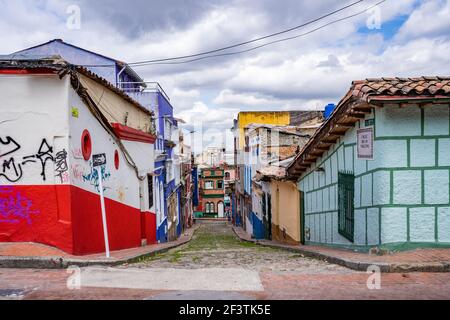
(230, 180)
(246, 159)
(166, 182)
(280, 203)
(272, 149)
(187, 188)
(212, 189)
(67, 135)
(377, 172)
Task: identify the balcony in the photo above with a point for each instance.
(146, 93)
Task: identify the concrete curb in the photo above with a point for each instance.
(64, 263)
(357, 265)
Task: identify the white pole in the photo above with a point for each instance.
(102, 202)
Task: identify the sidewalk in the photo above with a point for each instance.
(39, 256)
(419, 260)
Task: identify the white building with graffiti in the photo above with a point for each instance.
(55, 120)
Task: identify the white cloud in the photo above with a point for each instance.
(431, 19)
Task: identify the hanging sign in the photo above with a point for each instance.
(365, 143)
(99, 160)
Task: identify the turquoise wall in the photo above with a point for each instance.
(402, 196)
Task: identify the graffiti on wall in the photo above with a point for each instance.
(44, 155)
(93, 177)
(15, 208)
(9, 169)
(12, 167)
(77, 153)
(61, 166)
(77, 172)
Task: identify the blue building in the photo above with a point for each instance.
(114, 71)
(166, 167)
(166, 181)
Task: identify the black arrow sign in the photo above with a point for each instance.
(99, 159)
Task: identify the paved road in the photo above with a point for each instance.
(216, 265)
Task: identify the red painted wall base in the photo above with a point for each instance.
(69, 218)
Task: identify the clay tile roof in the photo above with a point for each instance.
(425, 85)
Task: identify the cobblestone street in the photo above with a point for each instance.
(216, 265)
(215, 245)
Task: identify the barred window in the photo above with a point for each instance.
(346, 195)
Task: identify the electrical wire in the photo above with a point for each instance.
(254, 40)
(269, 43)
(147, 62)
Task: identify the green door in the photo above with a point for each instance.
(302, 218)
(269, 214)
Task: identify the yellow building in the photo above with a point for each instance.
(286, 214)
(260, 117)
(283, 211)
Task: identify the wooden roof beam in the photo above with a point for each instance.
(367, 109)
(338, 133)
(357, 115)
(318, 153)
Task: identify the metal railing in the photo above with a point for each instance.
(144, 87)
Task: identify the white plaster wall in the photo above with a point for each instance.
(142, 154)
(120, 185)
(256, 203)
(33, 109)
(249, 226)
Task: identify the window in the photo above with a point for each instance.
(170, 171)
(167, 129)
(219, 184)
(209, 207)
(209, 185)
(150, 191)
(346, 193)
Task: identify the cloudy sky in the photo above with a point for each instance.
(399, 38)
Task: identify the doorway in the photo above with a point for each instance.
(302, 218)
(221, 210)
